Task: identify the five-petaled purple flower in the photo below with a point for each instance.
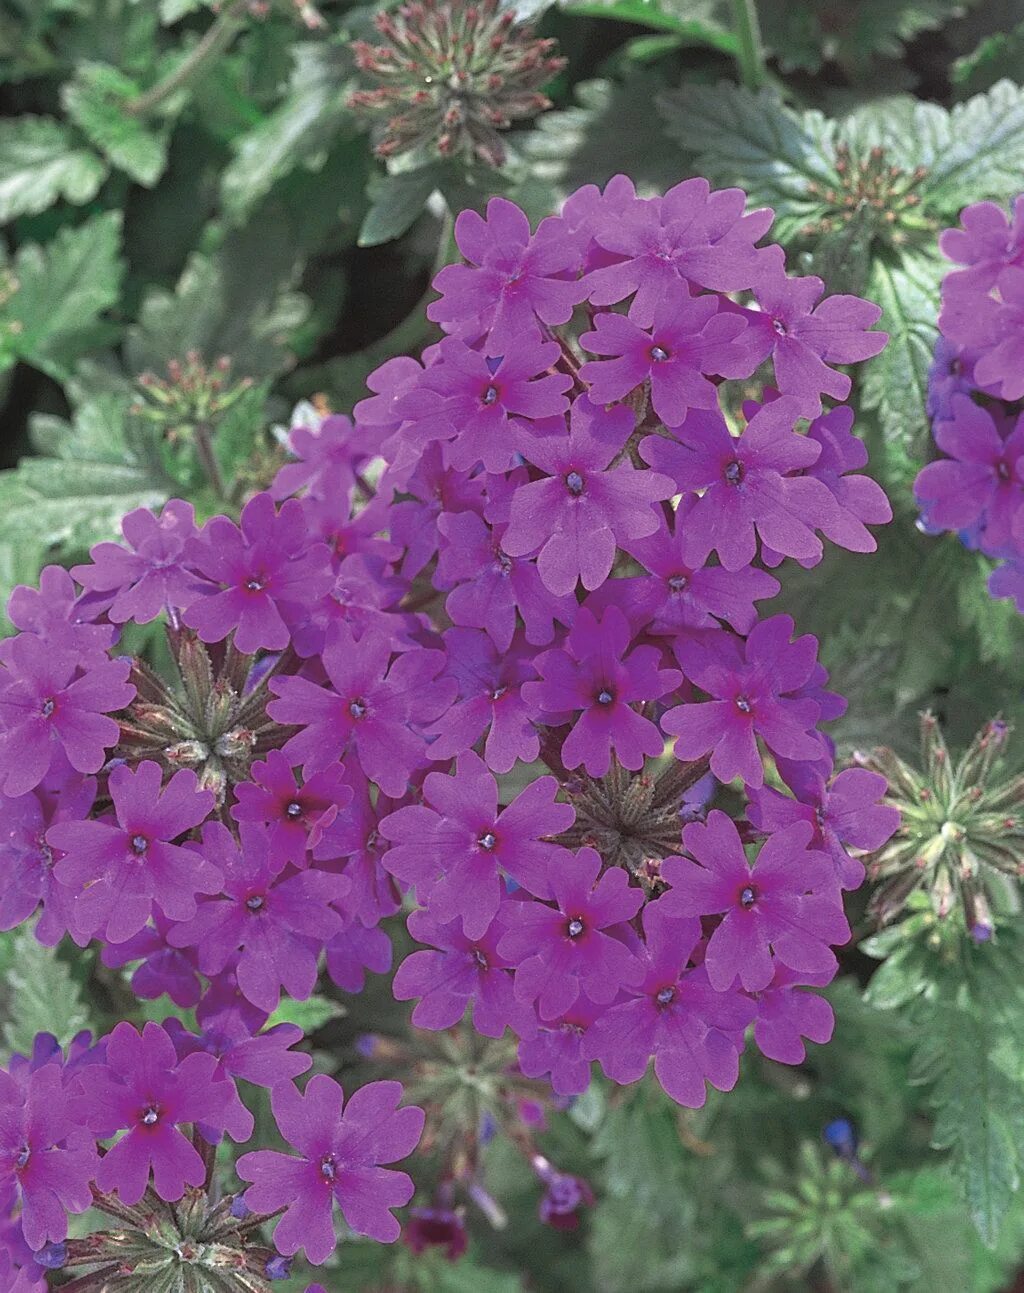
(341, 1146)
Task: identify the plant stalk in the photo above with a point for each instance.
(750, 55)
(214, 41)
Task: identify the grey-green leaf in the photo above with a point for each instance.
(40, 163)
(96, 100)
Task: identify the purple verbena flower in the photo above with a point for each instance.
(341, 1148)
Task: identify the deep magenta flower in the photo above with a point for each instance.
(152, 573)
(786, 1014)
(683, 591)
(575, 518)
(326, 455)
(368, 709)
(163, 969)
(756, 690)
(563, 950)
(262, 566)
(47, 1160)
(278, 921)
(860, 500)
(295, 817)
(808, 335)
(555, 1048)
(118, 870)
(27, 861)
(488, 586)
(785, 903)
(982, 479)
(660, 245)
(455, 845)
(467, 400)
(689, 339)
(341, 1148)
(355, 836)
(595, 678)
(693, 1032)
(489, 700)
(455, 970)
(844, 814)
(513, 277)
(745, 486)
(48, 703)
(57, 614)
(144, 1091)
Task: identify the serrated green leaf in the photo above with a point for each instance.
(97, 468)
(96, 101)
(297, 133)
(755, 141)
(40, 163)
(58, 292)
(896, 381)
(396, 201)
(309, 1015)
(980, 152)
(42, 996)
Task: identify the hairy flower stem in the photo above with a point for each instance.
(214, 42)
(208, 459)
(750, 54)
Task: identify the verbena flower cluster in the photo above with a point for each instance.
(489, 650)
(976, 394)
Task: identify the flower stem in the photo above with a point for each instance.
(217, 37)
(208, 458)
(750, 54)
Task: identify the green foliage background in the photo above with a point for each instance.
(175, 179)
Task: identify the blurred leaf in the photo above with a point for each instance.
(896, 381)
(220, 307)
(699, 22)
(995, 57)
(96, 101)
(807, 35)
(753, 140)
(611, 130)
(42, 996)
(40, 163)
(309, 1015)
(396, 201)
(296, 133)
(58, 292)
(95, 469)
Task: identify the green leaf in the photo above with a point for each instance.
(96, 100)
(297, 133)
(172, 11)
(42, 996)
(220, 307)
(977, 153)
(396, 201)
(40, 163)
(59, 291)
(896, 381)
(752, 140)
(698, 22)
(309, 1015)
(96, 469)
(996, 56)
(805, 36)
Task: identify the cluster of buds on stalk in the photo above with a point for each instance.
(961, 834)
(473, 1091)
(187, 405)
(196, 1245)
(871, 192)
(451, 76)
